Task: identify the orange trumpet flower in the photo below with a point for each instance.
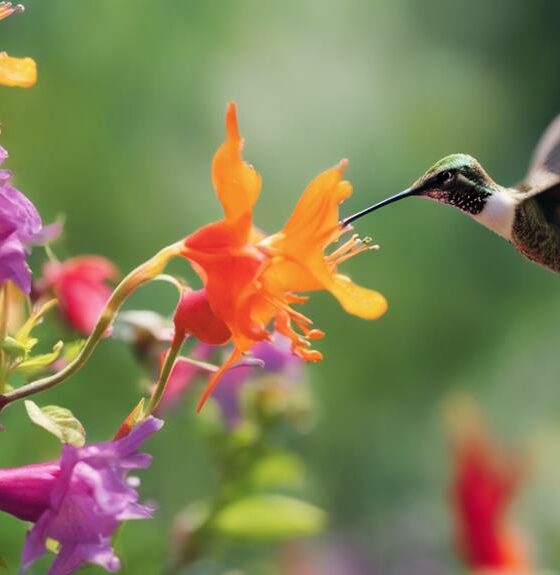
(251, 281)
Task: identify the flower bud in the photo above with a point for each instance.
(193, 316)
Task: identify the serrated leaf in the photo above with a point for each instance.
(269, 518)
(57, 420)
(278, 470)
(38, 363)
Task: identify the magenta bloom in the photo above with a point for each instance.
(80, 286)
(20, 228)
(25, 491)
(79, 500)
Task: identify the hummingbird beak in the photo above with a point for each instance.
(401, 195)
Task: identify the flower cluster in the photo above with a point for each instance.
(251, 279)
(245, 307)
(251, 283)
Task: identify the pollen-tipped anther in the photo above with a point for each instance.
(7, 9)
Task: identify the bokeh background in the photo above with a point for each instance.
(118, 136)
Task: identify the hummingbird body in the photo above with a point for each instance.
(536, 228)
(527, 215)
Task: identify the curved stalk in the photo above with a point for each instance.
(165, 372)
(137, 277)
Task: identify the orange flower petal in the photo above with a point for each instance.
(214, 380)
(301, 264)
(357, 300)
(236, 183)
(17, 72)
(315, 216)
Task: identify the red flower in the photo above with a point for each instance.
(80, 286)
(193, 316)
(485, 483)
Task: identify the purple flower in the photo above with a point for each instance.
(20, 228)
(79, 500)
(25, 491)
(277, 358)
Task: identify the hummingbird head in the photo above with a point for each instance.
(460, 181)
(457, 180)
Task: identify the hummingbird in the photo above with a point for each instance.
(527, 215)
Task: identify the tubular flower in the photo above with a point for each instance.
(79, 284)
(252, 280)
(20, 228)
(15, 72)
(486, 479)
(79, 500)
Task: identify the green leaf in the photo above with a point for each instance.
(278, 470)
(24, 333)
(72, 349)
(58, 421)
(268, 518)
(38, 363)
(13, 348)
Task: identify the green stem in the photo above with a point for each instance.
(165, 372)
(137, 277)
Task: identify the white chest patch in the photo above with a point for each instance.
(498, 214)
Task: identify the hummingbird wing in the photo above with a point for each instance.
(544, 171)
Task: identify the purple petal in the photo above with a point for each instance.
(90, 497)
(13, 265)
(131, 442)
(137, 511)
(69, 559)
(34, 545)
(19, 222)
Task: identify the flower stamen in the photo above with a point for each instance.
(7, 9)
(350, 248)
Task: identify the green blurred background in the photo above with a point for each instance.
(118, 136)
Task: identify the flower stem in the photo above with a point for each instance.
(137, 277)
(165, 372)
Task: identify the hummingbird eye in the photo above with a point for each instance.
(446, 177)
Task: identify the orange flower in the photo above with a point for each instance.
(251, 280)
(485, 483)
(15, 72)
